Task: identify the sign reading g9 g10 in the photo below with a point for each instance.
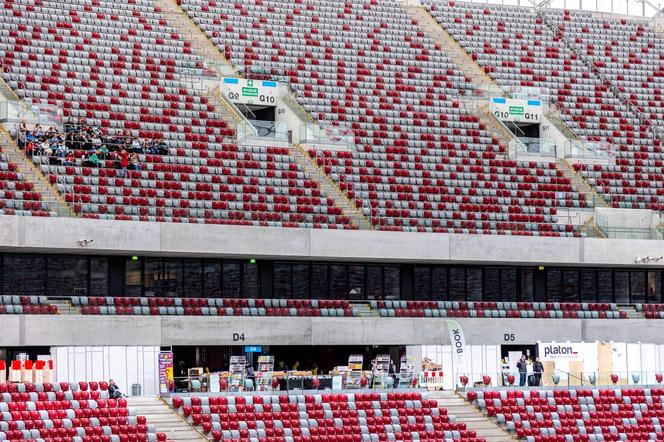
(255, 92)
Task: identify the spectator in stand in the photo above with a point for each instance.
(134, 164)
(61, 150)
(522, 366)
(113, 390)
(45, 148)
(21, 134)
(89, 144)
(124, 161)
(39, 132)
(70, 159)
(136, 145)
(538, 369)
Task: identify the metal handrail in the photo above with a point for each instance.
(237, 114)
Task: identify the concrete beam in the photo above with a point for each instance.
(62, 235)
(36, 330)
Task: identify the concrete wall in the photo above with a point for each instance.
(62, 235)
(548, 131)
(284, 114)
(30, 330)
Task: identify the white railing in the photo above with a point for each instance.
(634, 8)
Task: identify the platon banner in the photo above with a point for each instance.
(458, 341)
(554, 351)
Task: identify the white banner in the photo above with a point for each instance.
(458, 341)
(550, 351)
(257, 92)
(517, 110)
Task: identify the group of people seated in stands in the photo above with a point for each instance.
(89, 144)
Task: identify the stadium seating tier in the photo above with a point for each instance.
(421, 161)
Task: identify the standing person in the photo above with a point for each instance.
(522, 366)
(124, 162)
(374, 370)
(538, 369)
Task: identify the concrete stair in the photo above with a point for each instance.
(591, 230)
(167, 421)
(480, 79)
(208, 51)
(363, 310)
(64, 307)
(32, 173)
(553, 115)
(580, 183)
(471, 416)
(200, 42)
(331, 189)
(632, 313)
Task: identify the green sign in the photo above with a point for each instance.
(516, 110)
(250, 92)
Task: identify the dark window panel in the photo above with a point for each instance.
(422, 283)
(508, 288)
(24, 275)
(374, 282)
(492, 284)
(133, 278)
(570, 286)
(250, 280)
(638, 287)
(605, 286)
(300, 281)
(391, 282)
(338, 281)
(99, 277)
(193, 278)
(231, 282)
(474, 283)
(212, 276)
(439, 288)
(554, 285)
(356, 282)
(319, 281)
(67, 275)
(171, 280)
(588, 285)
(152, 276)
(621, 287)
(282, 280)
(457, 284)
(527, 284)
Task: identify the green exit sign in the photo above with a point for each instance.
(516, 110)
(250, 92)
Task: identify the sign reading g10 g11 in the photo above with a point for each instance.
(518, 111)
(256, 92)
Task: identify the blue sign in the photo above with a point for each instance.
(253, 349)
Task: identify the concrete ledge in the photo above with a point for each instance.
(32, 330)
(62, 235)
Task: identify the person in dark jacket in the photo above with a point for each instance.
(538, 369)
(522, 366)
(113, 390)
